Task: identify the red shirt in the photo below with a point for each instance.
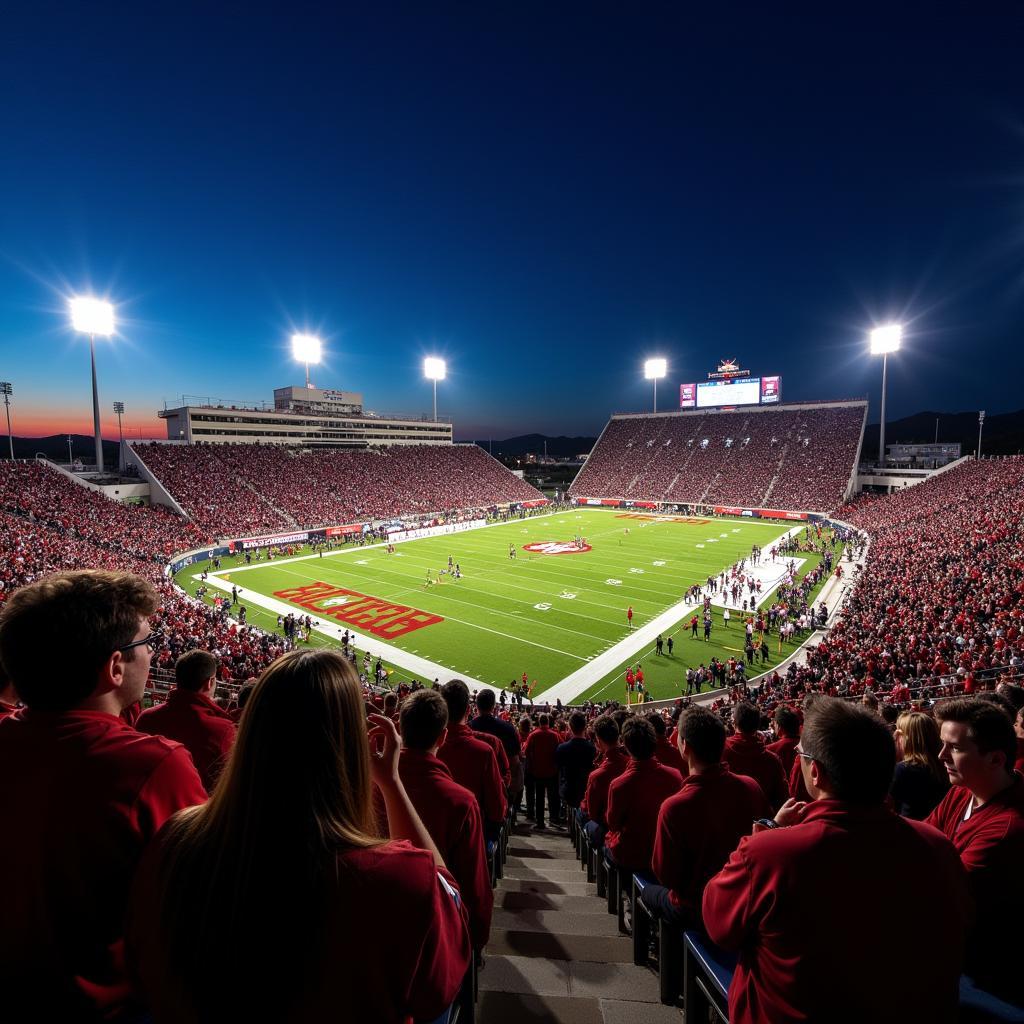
(746, 755)
(595, 800)
(504, 769)
(823, 938)
(81, 793)
(194, 720)
(539, 751)
(473, 765)
(634, 801)
(991, 845)
(785, 750)
(698, 828)
(395, 946)
(668, 754)
(451, 816)
(8, 709)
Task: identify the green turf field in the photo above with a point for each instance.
(543, 614)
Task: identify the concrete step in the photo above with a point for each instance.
(581, 979)
(557, 922)
(582, 903)
(568, 886)
(553, 871)
(595, 948)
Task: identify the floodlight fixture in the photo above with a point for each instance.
(884, 340)
(93, 316)
(6, 390)
(435, 369)
(655, 369)
(119, 409)
(306, 349)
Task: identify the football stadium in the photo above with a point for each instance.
(713, 713)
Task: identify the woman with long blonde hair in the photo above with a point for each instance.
(919, 782)
(278, 899)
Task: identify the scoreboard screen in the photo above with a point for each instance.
(741, 391)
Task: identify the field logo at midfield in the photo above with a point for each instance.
(376, 616)
(556, 547)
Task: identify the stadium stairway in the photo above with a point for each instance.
(262, 499)
(555, 953)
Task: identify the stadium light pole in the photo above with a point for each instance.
(93, 316)
(883, 341)
(306, 349)
(434, 369)
(981, 420)
(655, 369)
(71, 458)
(119, 409)
(6, 390)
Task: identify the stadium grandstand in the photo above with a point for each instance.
(566, 829)
(796, 457)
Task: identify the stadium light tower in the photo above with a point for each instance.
(434, 369)
(981, 420)
(6, 390)
(93, 316)
(655, 369)
(883, 341)
(119, 409)
(306, 349)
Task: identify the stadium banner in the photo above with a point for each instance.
(435, 531)
(340, 531)
(644, 504)
(245, 543)
(592, 501)
(687, 396)
(773, 513)
(534, 504)
(610, 502)
(771, 390)
(726, 510)
(191, 557)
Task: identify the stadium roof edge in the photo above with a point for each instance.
(840, 403)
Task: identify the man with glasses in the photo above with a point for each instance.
(81, 792)
(824, 928)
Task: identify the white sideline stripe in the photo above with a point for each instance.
(583, 678)
(418, 666)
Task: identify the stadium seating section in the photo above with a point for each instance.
(787, 459)
(249, 489)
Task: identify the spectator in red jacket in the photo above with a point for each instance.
(700, 826)
(745, 754)
(81, 792)
(190, 716)
(8, 695)
(786, 725)
(983, 816)
(449, 811)
(819, 922)
(635, 798)
(542, 769)
(594, 809)
(1018, 728)
(667, 753)
(470, 760)
(282, 875)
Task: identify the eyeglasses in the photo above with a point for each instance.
(803, 753)
(153, 641)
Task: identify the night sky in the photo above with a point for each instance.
(544, 194)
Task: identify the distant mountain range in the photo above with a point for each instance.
(55, 448)
(527, 444)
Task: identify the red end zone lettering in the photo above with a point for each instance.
(376, 616)
(556, 547)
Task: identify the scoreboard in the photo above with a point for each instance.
(731, 391)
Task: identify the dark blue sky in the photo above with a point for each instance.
(544, 194)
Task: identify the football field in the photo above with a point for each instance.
(548, 612)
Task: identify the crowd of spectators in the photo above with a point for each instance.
(250, 489)
(793, 459)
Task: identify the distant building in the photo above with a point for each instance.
(922, 456)
(311, 417)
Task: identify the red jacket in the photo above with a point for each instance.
(81, 794)
(634, 801)
(746, 755)
(395, 945)
(194, 720)
(595, 800)
(785, 750)
(821, 922)
(991, 846)
(539, 751)
(473, 765)
(451, 816)
(698, 828)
